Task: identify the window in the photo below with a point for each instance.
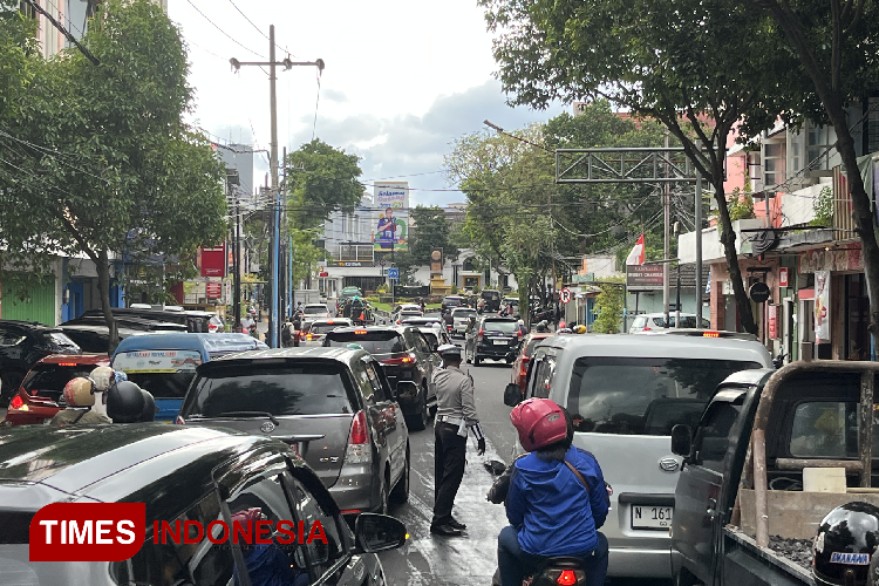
(544, 370)
(713, 439)
(167, 564)
(285, 389)
(10, 338)
(492, 326)
(382, 392)
(432, 340)
(320, 556)
(48, 380)
(644, 396)
(825, 429)
(773, 164)
(362, 378)
(375, 342)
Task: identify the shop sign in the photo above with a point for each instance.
(213, 261)
(813, 261)
(773, 321)
(783, 280)
(644, 276)
(350, 263)
(822, 305)
(214, 290)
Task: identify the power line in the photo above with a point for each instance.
(316, 104)
(224, 33)
(64, 31)
(258, 29)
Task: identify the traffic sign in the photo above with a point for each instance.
(565, 295)
(393, 273)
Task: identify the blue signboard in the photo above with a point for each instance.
(393, 273)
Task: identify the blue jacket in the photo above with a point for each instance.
(550, 508)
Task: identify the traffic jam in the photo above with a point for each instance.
(684, 455)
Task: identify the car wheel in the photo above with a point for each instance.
(400, 494)
(421, 419)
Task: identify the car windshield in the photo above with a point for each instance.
(288, 389)
(312, 309)
(501, 326)
(48, 380)
(319, 328)
(376, 343)
(644, 396)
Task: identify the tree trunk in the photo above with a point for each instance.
(728, 239)
(864, 220)
(103, 269)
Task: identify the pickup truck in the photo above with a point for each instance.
(747, 505)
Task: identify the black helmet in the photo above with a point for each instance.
(149, 407)
(846, 541)
(125, 403)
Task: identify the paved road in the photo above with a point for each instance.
(471, 560)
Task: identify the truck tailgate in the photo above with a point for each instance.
(745, 563)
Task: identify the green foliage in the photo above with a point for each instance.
(823, 207)
(609, 305)
(321, 179)
(741, 205)
(431, 230)
(102, 159)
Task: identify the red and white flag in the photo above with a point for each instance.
(636, 257)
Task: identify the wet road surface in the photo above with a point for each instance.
(470, 560)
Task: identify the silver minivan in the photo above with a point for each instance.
(624, 393)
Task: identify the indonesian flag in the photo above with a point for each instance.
(636, 257)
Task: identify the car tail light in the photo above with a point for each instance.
(212, 328)
(710, 334)
(646, 329)
(358, 451)
(72, 364)
(396, 361)
(16, 402)
(567, 578)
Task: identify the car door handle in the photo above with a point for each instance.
(711, 510)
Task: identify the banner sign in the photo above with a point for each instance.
(214, 261)
(392, 221)
(822, 306)
(644, 277)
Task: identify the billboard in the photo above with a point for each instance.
(644, 277)
(214, 261)
(391, 232)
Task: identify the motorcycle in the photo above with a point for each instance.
(556, 571)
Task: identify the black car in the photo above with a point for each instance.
(450, 302)
(492, 337)
(22, 344)
(193, 321)
(333, 405)
(406, 357)
(492, 300)
(183, 474)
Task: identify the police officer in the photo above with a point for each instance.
(455, 418)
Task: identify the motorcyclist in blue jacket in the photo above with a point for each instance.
(557, 499)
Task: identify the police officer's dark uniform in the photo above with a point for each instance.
(455, 418)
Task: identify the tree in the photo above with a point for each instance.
(609, 306)
(835, 44)
(321, 179)
(703, 68)
(102, 151)
(431, 230)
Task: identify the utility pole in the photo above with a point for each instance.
(236, 266)
(666, 241)
(273, 339)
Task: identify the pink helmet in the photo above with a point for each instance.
(540, 423)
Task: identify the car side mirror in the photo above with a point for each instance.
(681, 439)
(406, 390)
(512, 395)
(374, 533)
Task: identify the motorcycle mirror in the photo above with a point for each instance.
(496, 467)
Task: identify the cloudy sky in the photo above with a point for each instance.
(403, 80)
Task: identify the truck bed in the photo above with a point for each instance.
(745, 563)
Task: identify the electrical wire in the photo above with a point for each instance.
(316, 104)
(224, 33)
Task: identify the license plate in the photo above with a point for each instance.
(500, 342)
(651, 517)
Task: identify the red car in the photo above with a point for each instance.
(520, 366)
(36, 400)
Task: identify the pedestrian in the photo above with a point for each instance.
(456, 417)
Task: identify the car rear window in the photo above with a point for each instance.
(532, 343)
(644, 396)
(311, 309)
(376, 343)
(324, 328)
(288, 389)
(502, 326)
(464, 314)
(59, 339)
(48, 380)
(164, 373)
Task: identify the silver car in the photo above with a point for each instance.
(333, 406)
(461, 320)
(625, 393)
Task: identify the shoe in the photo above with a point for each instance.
(457, 525)
(445, 530)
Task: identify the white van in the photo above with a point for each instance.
(625, 392)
